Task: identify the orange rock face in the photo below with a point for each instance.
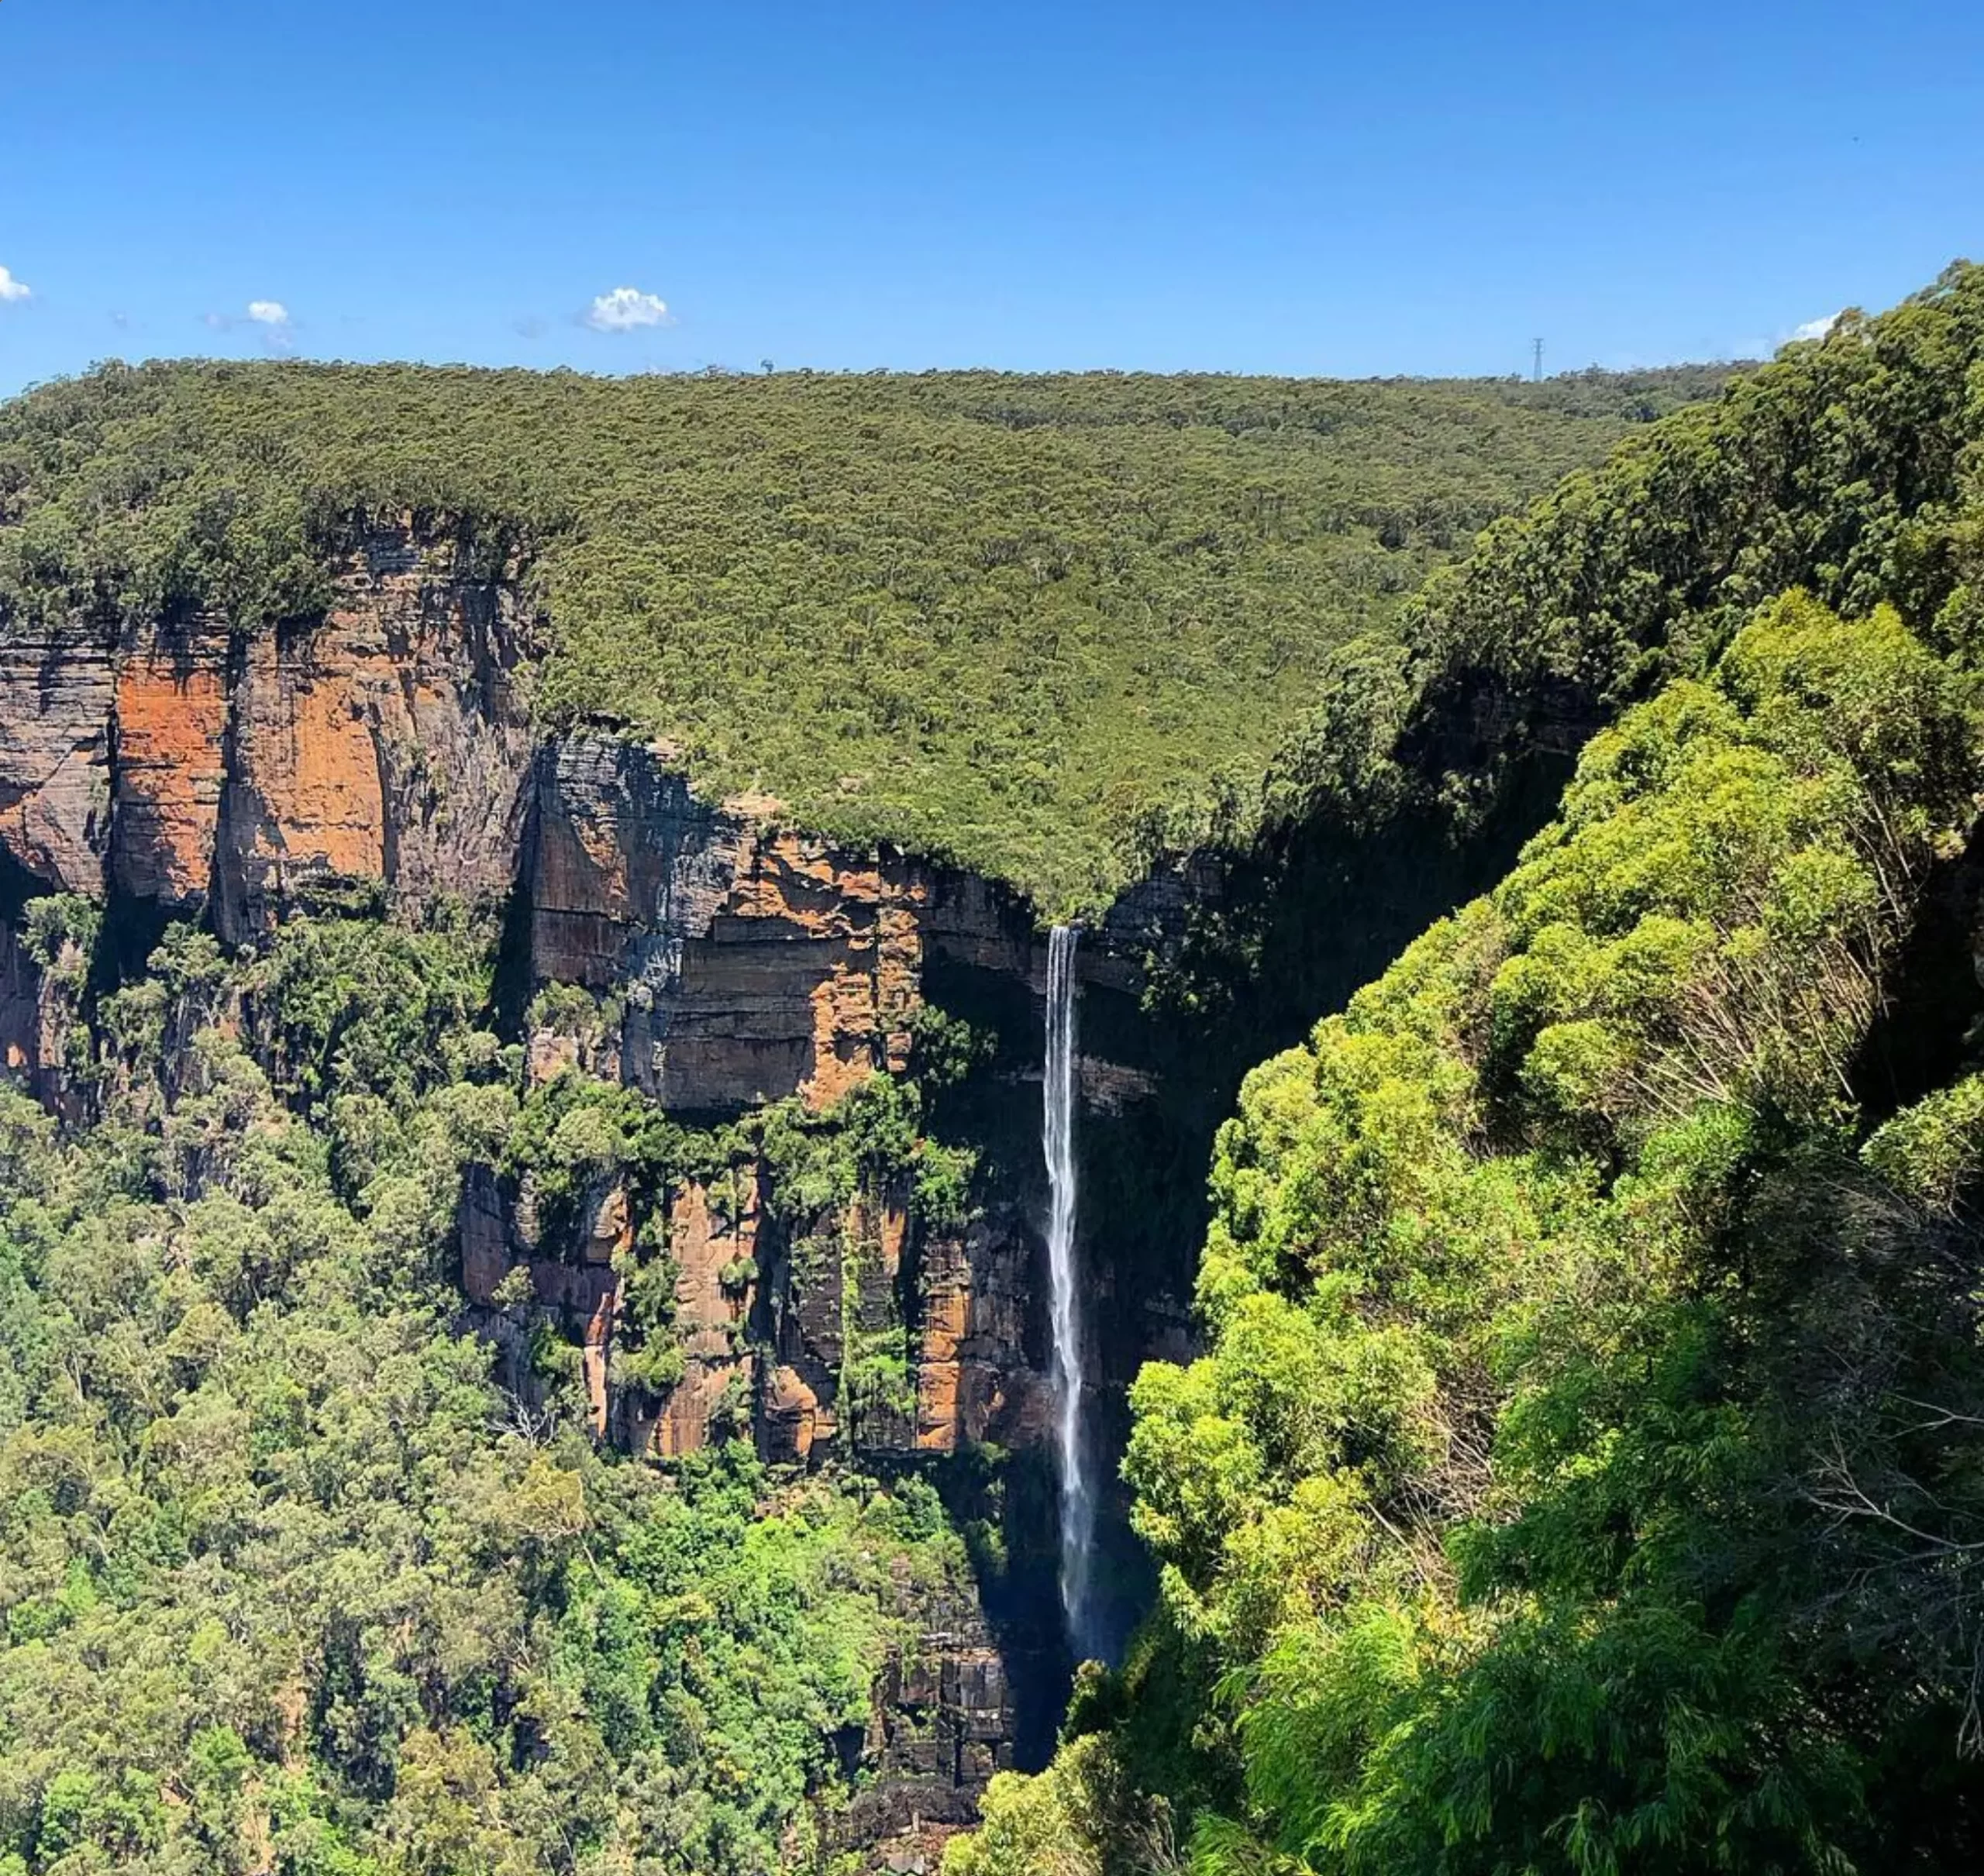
(388, 743)
(171, 723)
(940, 1423)
(385, 743)
(550, 1055)
(973, 1380)
(309, 754)
(863, 912)
(757, 963)
(791, 1415)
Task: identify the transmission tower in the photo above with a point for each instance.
(1536, 365)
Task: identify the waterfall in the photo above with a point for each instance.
(1058, 1143)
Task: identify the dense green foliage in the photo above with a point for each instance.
(287, 1582)
(1582, 1473)
(1847, 467)
(1016, 619)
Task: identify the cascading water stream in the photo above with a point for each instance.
(1058, 1143)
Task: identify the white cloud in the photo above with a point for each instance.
(626, 309)
(278, 329)
(1816, 329)
(12, 289)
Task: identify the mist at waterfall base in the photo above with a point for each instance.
(1058, 1146)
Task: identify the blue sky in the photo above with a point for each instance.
(1243, 186)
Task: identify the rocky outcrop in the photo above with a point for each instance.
(943, 1723)
(909, 1342)
(856, 1335)
(169, 718)
(713, 1241)
(386, 746)
(974, 1382)
(58, 690)
(388, 741)
(751, 961)
(39, 1012)
(186, 762)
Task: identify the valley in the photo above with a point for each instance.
(639, 1015)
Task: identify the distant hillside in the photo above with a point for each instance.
(1025, 622)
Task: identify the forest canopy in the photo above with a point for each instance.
(293, 1578)
(1575, 1469)
(1028, 623)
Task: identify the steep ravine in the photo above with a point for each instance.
(384, 754)
(715, 962)
(719, 961)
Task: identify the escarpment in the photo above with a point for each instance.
(178, 761)
(825, 1248)
(752, 962)
(709, 954)
(725, 966)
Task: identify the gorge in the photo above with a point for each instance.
(603, 1270)
(648, 946)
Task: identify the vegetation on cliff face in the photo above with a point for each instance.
(1848, 467)
(1582, 1473)
(1023, 622)
(288, 1581)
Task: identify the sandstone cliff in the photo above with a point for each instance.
(386, 742)
(385, 751)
